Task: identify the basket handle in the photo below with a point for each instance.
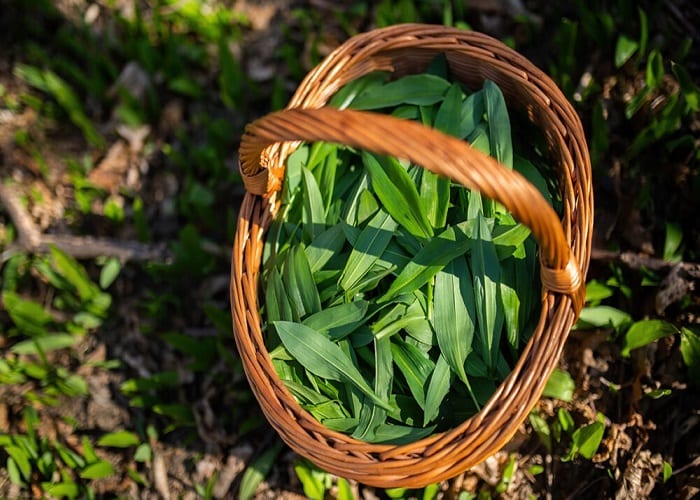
(442, 154)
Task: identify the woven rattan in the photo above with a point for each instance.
(564, 243)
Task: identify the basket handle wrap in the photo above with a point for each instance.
(433, 150)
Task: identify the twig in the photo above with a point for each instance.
(638, 260)
(30, 239)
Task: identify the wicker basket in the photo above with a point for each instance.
(564, 245)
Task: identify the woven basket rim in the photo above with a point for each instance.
(445, 454)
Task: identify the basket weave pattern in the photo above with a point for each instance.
(564, 243)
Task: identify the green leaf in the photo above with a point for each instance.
(64, 489)
(435, 196)
(586, 440)
(143, 453)
(277, 306)
(602, 316)
(119, 439)
(313, 212)
(624, 50)
(560, 385)
(97, 470)
(420, 89)
(438, 388)
(73, 272)
(454, 314)
(645, 332)
(541, 428)
(323, 358)
(372, 416)
(344, 490)
(509, 239)
(300, 285)
(338, 321)
(369, 246)
(655, 69)
(30, 317)
(324, 246)
(45, 344)
(313, 487)
(449, 113)
(499, 124)
(668, 471)
(401, 434)
(672, 243)
(566, 421)
(489, 311)
(429, 260)
(597, 291)
(371, 83)
(690, 350)
(472, 112)
(14, 472)
(257, 470)
(398, 194)
(510, 301)
(109, 272)
(415, 366)
(20, 458)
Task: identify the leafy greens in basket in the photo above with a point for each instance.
(396, 301)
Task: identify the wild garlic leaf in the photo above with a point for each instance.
(300, 285)
(277, 304)
(313, 212)
(371, 415)
(435, 196)
(489, 312)
(323, 247)
(400, 434)
(370, 83)
(370, 245)
(472, 113)
(338, 321)
(323, 358)
(501, 145)
(428, 262)
(420, 89)
(511, 302)
(438, 388)
(454, 314)
(415, 366)
(447, 119)
(398, 194)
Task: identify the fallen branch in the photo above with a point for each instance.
(638, 261)
(680, 280)
(31, 239)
